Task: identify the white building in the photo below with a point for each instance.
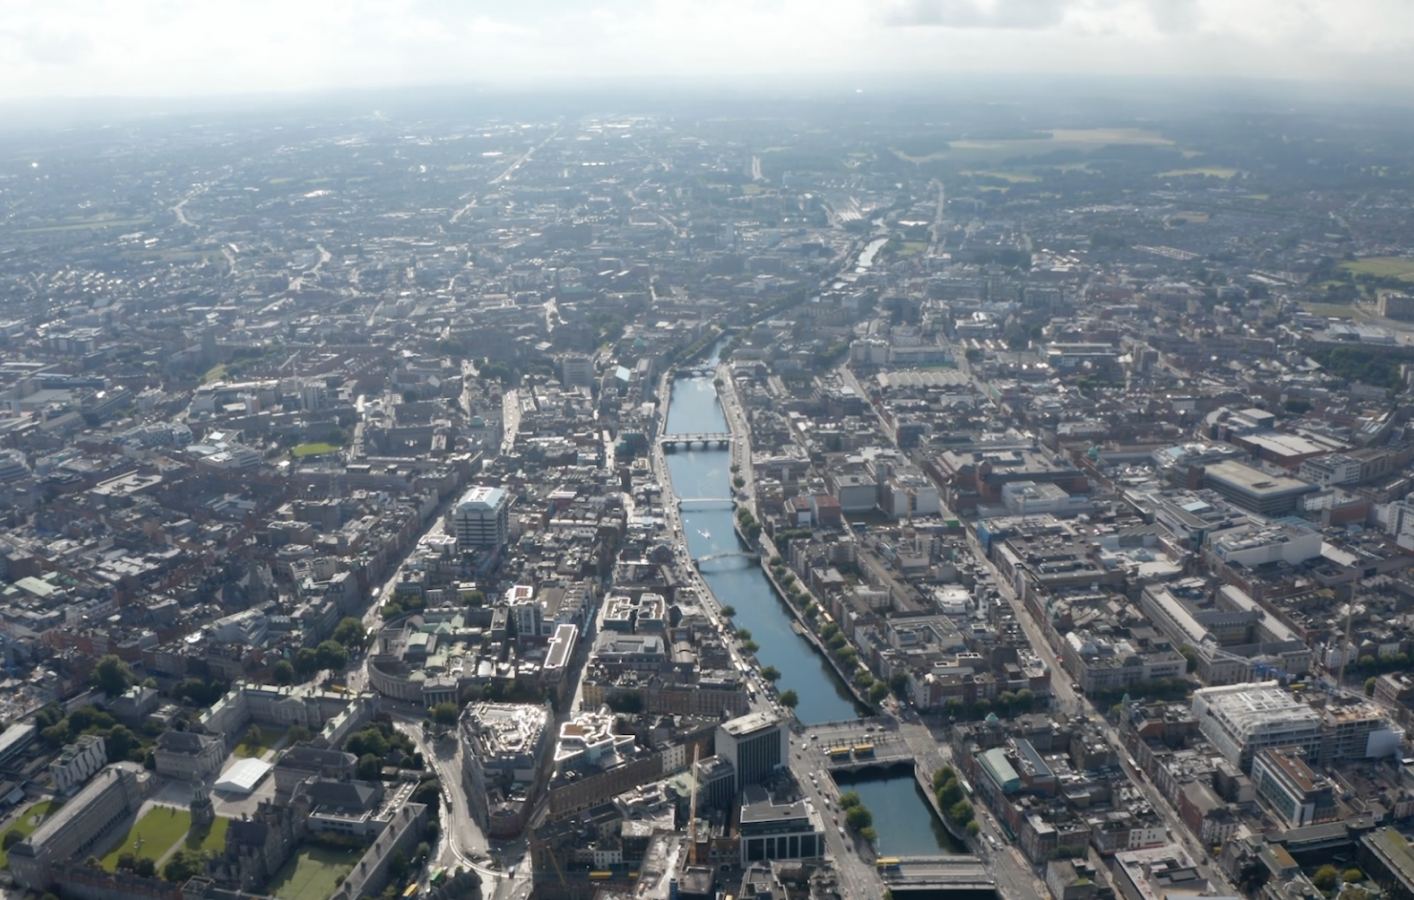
(482, 518)
(1337, 468)
(1242, 719)
(1027, 498)
(1283, 543)
(77, 762)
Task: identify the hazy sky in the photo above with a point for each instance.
(186, 47)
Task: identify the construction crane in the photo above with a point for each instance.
(692, 811)
(556, 863)
(1345, 648)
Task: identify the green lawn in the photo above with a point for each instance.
(91, 223)
(1209, 171)
(28, 822)
(312, 873)
(215, 373)
(1384, 266)
(269, 737)
(159, 831)
(211, 837)
(1334, 310)
(313, 449)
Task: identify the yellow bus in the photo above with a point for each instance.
(600, 875)
(887, 862)
(862, 750)
(838, 753)
(410, 892)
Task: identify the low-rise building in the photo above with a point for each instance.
(77, 762)
(187, 755)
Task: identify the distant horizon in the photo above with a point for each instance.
(86, 49)
(1148, 92)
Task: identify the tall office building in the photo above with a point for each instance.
(483, 518)
(755, 744)
(577, 370)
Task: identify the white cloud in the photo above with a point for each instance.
(173, 47)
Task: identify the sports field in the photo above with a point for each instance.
(1383, 266)
(312, 873)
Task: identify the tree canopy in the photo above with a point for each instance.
(112, 676)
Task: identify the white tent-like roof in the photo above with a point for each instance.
(243, 776)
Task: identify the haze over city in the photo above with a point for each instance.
(921, 449)
(78, 48)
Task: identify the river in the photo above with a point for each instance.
(738, 581)
(902, 817)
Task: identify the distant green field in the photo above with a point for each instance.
(1060, 139)
(1334, 310)
(312, 873)
(1383, 266)
(314, 449)
(1013, 177)
(157, 832)
(91, 223)
(1208, 171)
(32, 819)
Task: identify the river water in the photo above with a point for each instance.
(705, 474)
(902, 817)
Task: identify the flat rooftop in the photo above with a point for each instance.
(1243, 477)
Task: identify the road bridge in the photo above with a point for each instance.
(724, 555)
(673, 441)
(946, 874)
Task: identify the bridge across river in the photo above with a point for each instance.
(672, 441)
(724, 555)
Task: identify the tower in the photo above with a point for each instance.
(203, 812)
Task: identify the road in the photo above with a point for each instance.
(1068, 699)
(735, 415)
(462, 842)
(858, 877)
(936, 245)
(510, 420)
(510, 170)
